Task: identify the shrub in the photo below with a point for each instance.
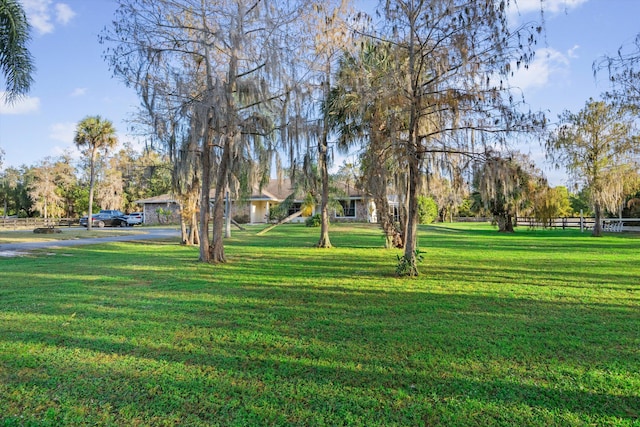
(277, 214)
(313, 221)
(427, 210)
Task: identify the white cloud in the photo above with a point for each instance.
(64, 13)
(548, 63)
(62, 132)
(69, 150)
(520, 8)
(40, 14)
(571, 53)
(553, 6)
(79, 91)
(23, 105)
(37, 12)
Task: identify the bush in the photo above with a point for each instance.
(313, 221)
(277, 214)
(427, 210)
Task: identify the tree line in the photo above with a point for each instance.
(58, 187)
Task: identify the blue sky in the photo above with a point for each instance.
(73, 81)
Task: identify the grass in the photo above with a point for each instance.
(539, 328)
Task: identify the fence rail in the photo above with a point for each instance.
(563, 223)
(21, 223)
(608, 224)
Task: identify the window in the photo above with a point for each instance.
(348, 209)
(393, 210)
(295, 207)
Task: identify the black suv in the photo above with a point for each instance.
(106, 218)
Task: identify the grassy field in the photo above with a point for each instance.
(539, 328)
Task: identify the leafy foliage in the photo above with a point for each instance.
(313, 221)
(16, 62)
(406, 266)
(599, 147)
(427, 210)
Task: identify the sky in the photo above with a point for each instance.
(73, 81)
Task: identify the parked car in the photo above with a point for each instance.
(105, 220)
(135, 218)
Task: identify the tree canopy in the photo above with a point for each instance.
(599, 146)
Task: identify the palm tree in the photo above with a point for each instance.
(94, 133)
(16, 63)
(360, 108)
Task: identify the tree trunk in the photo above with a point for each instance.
(508, 228)
(92, 175)
(324, 241)
(410, 267)
(216, 251)
(323, 148)
(193, 230)
(597, 227)
(184, 235)
(227, 215)
(204, 198)
(393, 237)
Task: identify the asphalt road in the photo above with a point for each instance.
(12, 249)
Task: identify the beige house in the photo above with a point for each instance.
(255, 208)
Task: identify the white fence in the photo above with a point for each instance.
(608, 224)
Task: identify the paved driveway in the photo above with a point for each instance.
(15, 249)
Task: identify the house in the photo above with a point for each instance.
(255, 208)
(163, 209)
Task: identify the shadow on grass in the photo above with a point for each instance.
(338, 344)
(285, 335)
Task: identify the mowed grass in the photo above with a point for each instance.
(539, 328)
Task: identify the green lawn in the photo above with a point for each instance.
(538, 328)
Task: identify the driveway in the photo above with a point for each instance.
(17, 249)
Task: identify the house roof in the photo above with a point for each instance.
(163, 198)
(275, 190)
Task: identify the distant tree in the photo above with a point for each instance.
(564, 201)
(110, 189)
(16, 63)
(93, 133)
(8, 182)
(503, 184)
(598, 146)
(449, 194)
(45, 191)
(550, 203)
(14, 187)
(68, 185)
(143, 175)
(580, 202)
(427, 210)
